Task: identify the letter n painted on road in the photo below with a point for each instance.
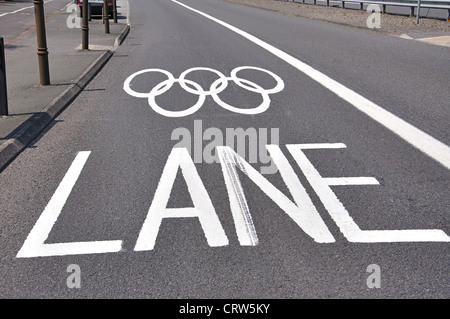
(302, 212)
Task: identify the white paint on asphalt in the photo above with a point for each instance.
(203, 208)
(342, 181)
(340, 214)
(302, 212)
(245, 228)
(215, 89)
(442, 40)
(419, 139)
(21, 9)
(35, 245)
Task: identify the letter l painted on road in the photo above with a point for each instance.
(35, 246)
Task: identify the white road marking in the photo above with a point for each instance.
(302, 212)
(203, 207)
(340, 214)
(214, 90)
(336, 181)
(243, 221)
(34, 245)
(417, 138)
(443, 40)
(21, 9)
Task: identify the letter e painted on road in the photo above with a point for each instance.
(339, 213)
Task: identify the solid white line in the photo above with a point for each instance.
(344, 181)
(314, 146)
(18, 10)
(417, 138)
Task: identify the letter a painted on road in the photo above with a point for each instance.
(203, 207)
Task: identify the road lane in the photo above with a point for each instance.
(128, 172)
(361, 59)
(419, 139)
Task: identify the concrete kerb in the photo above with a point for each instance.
(121, 37)
(32, 127)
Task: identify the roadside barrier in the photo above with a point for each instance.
(414, 6)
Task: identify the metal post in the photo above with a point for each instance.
(105, 15)
(85, 26)
(42, 51)
(3, 92)
(115, 11)
(418, 11)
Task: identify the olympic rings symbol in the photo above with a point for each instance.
(215, 89)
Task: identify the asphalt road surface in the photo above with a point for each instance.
(135, 190)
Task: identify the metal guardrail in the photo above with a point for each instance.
(3, 93)
(413, 5)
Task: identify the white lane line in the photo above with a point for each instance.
(443, 40)
(21, 9)
(414, 136)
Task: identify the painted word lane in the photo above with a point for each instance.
(301, 210)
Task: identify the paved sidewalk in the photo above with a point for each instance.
(31, 106)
